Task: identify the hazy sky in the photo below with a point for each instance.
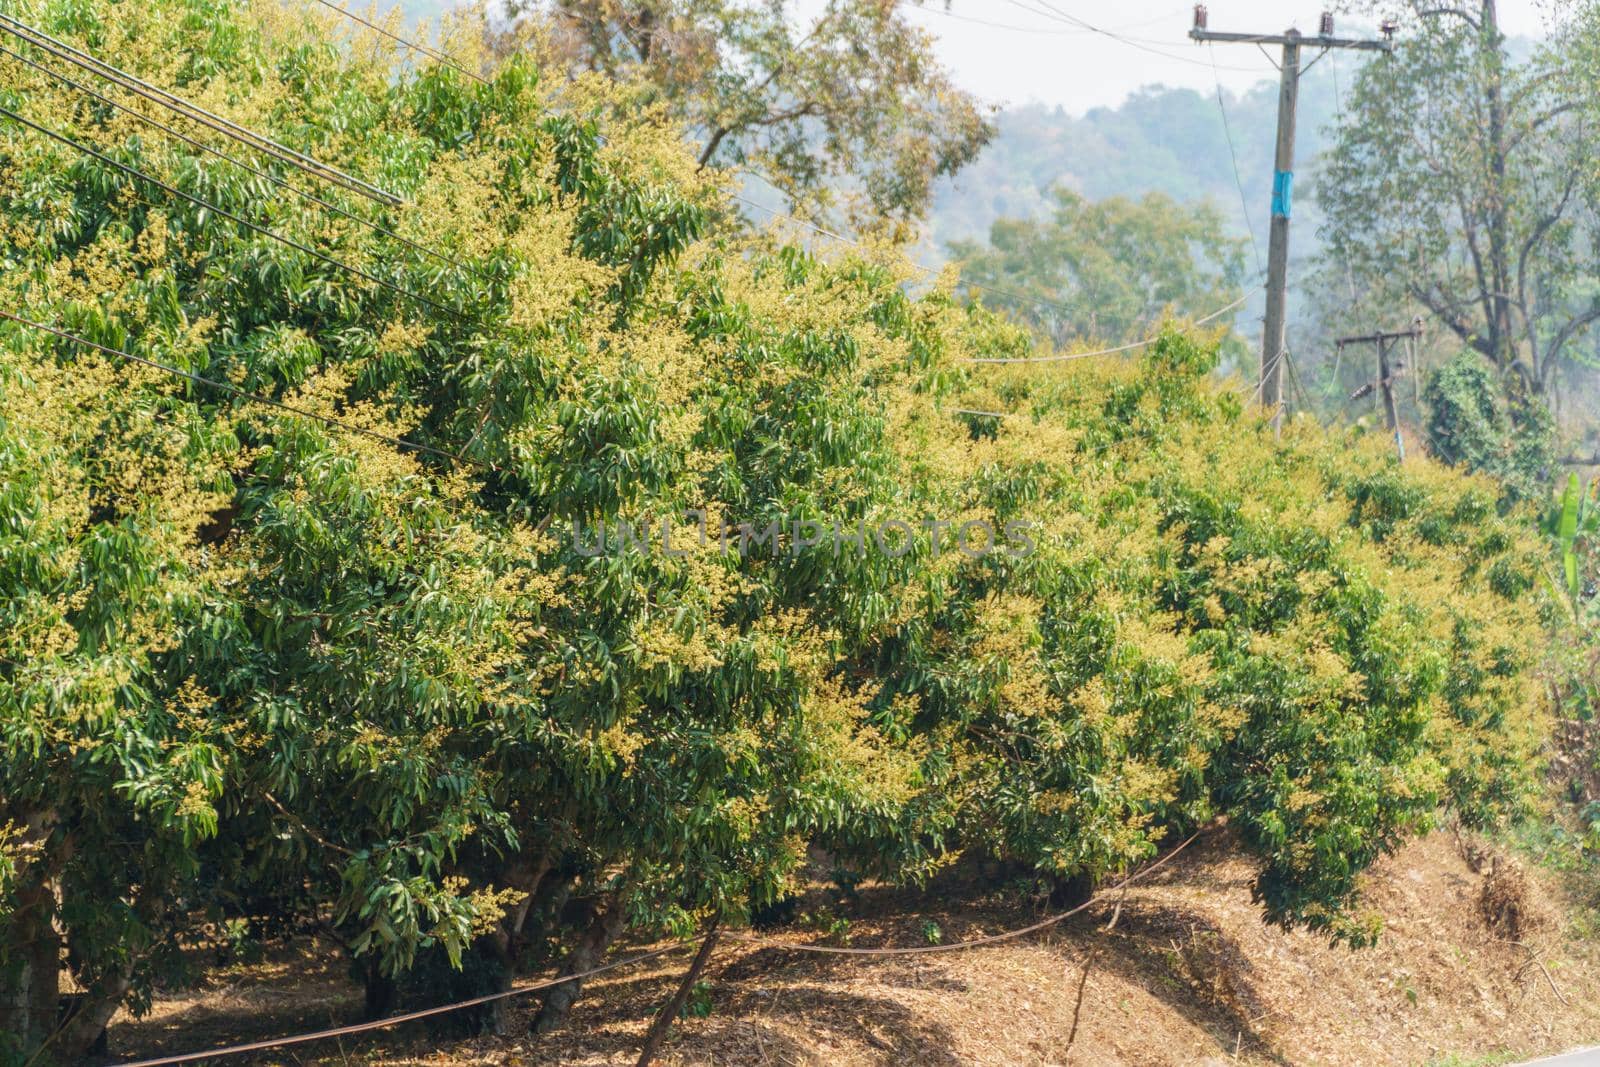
(1029, 54)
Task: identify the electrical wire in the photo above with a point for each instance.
(395, 1020)
(1233, 157)
(1050, 10)
(217, 123)
(1076, 31)
(1338, 97)
(1257, 394)
(1048, 31)
(436, 56)
(221, 212)
(1064, 357)
(1166, 16)
(1306, 404)
(308, 197)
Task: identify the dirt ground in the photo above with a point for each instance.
(1482, 961)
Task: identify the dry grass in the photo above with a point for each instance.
(1189, 975)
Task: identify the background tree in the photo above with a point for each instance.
(848, 106)
(1461, 183)
(1105, 270)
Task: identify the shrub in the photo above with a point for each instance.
(1473, 423)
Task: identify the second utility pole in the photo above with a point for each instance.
(1273, 335)
(1385, 339)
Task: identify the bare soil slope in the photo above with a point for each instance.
(1481, 962)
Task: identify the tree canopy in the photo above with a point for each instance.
(1106, 270)
(848, 101)
(1461, 182)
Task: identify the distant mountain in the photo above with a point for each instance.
(1171, 140)
(1159, 139)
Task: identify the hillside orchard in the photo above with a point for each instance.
(335, 663)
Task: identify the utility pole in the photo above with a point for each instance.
(1391, 414)
(1385, 340)
(1273, 333)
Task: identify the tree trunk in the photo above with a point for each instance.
(30, 967)
(382, 993)
(1501, 331)
(85, 1028)
(674, 1005)
(82, 1031)
(609, 919)
(503, 944)
(1069, 892)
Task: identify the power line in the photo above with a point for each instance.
(1001, 25)
(977, 942)
(1038, 302)
(1266, 370)
(1349, 272)
(1306, 403)
(1130, 346)
(217, 123)
(1233, 157)
(1076, 31)
(841, 238)
(1165, 16)
(194, 142)
(207, 205)
(243, 394)
(436, 56)
(1338, 97)
(1132, 42)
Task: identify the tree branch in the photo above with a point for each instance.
(1544, 117)
(1456, 11)
(1574, 326)
(1440, 309)
(769, 119)
(1485, 289)
(712, 145)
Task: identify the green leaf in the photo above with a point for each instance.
(1567, 531)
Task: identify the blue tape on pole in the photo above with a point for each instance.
(1282, 186)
